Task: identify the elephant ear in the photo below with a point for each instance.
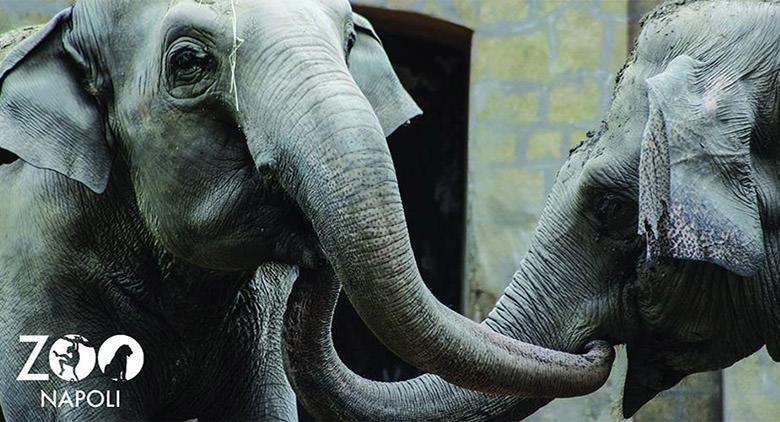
(46, 118)
(374, 74)
(697, 197)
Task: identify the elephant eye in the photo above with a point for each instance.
(350, 42)
(608, 207)
(616, 216)
(188, 64)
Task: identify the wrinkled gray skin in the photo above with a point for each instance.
(661, 232)
(166, 150)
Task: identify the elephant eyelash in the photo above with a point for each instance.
(348, 50)
(349, 41)
(186, 60)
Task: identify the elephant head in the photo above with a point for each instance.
(252, 131)
(661, 231)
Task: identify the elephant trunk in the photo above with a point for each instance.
(271, 286)
(331, 391)
(336, 165)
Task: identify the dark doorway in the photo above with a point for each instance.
(432, 59)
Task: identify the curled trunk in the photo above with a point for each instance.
(331, 391)
(336, 164)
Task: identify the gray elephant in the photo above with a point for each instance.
(163, 160)
(661, 232)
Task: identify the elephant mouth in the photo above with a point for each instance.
(292, 236)
(263, 224)
(657, 363)
(299, 248)
(647, 376)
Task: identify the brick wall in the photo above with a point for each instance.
(542, 74)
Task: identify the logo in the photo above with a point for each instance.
(73, 358)
(121, 358)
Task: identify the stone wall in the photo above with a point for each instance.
(542, 74)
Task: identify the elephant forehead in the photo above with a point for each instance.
(735, 34)
(577, 160)
(208, 2)
(340, 7)
(219, 5)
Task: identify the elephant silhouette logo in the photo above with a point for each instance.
(121, 358)
(71, 357)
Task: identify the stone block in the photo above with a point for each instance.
(619, 49)
(489, 146)
(547, 7)
(751, 388)
(521, 57)
(544, 145)
(510, 108)
(401, 4)
(575, 102)
(468, 11)
(508, 190)
(619, 8)
(498, 11)
(580, 41)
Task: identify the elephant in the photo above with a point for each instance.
(661, 232)
(170, 167)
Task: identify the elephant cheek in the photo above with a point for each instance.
(646, 377)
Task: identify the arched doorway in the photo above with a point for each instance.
(432, 59)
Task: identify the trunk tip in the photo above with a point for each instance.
(599, 351)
